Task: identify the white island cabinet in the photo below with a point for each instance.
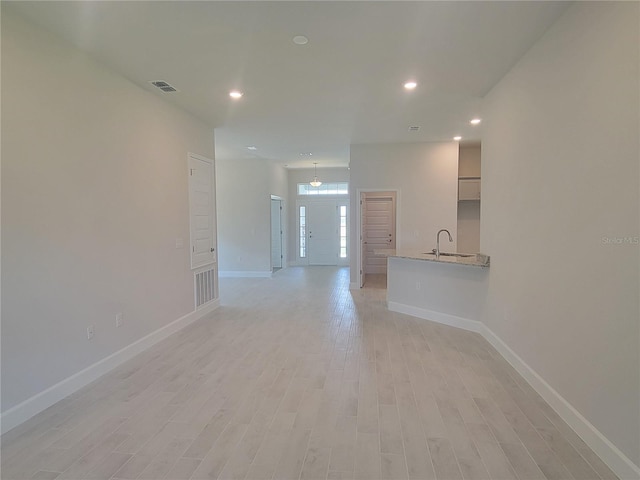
(449, 290)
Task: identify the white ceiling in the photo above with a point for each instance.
(345, 86)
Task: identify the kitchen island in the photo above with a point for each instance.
(446, 289)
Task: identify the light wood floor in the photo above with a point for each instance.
(296, 377)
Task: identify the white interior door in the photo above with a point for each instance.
(201, 211)
(379, 231)
(276, 233)
(363, 245)
(322, 225)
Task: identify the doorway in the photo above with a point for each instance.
(377, 231)
(276, 233)
(202, 219)
(323, 241)
(322, 231)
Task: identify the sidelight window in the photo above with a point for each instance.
(302, 234)
(343, 231)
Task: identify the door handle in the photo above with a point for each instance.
(212, 249)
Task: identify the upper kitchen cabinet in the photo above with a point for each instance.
(469, 188)
(469, 172)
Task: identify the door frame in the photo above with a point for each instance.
(282, 250)
(359, 217)
(306, 201)
(334, 228)
(211, 207)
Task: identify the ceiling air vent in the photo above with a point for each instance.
(414, 128)
(164, 86)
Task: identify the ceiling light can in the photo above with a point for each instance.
(410, 85)
(300, 40)
(475, 121)
(235, 94)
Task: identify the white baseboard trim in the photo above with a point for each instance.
(43, 400)
(439, 317)
(297, 264)
(617, 461)
(241, 274)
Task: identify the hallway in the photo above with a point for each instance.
(296, 377)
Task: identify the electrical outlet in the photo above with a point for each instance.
(119, 319)
(90, 332)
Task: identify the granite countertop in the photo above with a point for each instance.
(473, 260)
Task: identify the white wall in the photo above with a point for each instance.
(426, 178)
(243, 189)
(304, 175)
(560, 175)
(94, 195)
(469, 226)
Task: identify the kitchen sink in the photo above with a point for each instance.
(447, 254)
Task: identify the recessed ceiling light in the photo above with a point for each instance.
(475, 121)
(410, 85)
(235, 94)
(414, 128)
(300, 40)
(306, 154)
(251, 147)
(457, 138)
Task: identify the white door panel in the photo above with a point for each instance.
(378, 231)
(276, 233)
(322, 225)
(363, 244)
(201, 211)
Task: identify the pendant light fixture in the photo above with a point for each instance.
(315, 182)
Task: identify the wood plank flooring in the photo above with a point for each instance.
(296, 377)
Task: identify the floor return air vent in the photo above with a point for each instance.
(205, 288)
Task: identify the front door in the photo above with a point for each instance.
(322, 224)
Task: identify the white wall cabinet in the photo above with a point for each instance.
(468, 189)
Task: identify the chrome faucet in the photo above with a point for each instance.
(437, 250)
